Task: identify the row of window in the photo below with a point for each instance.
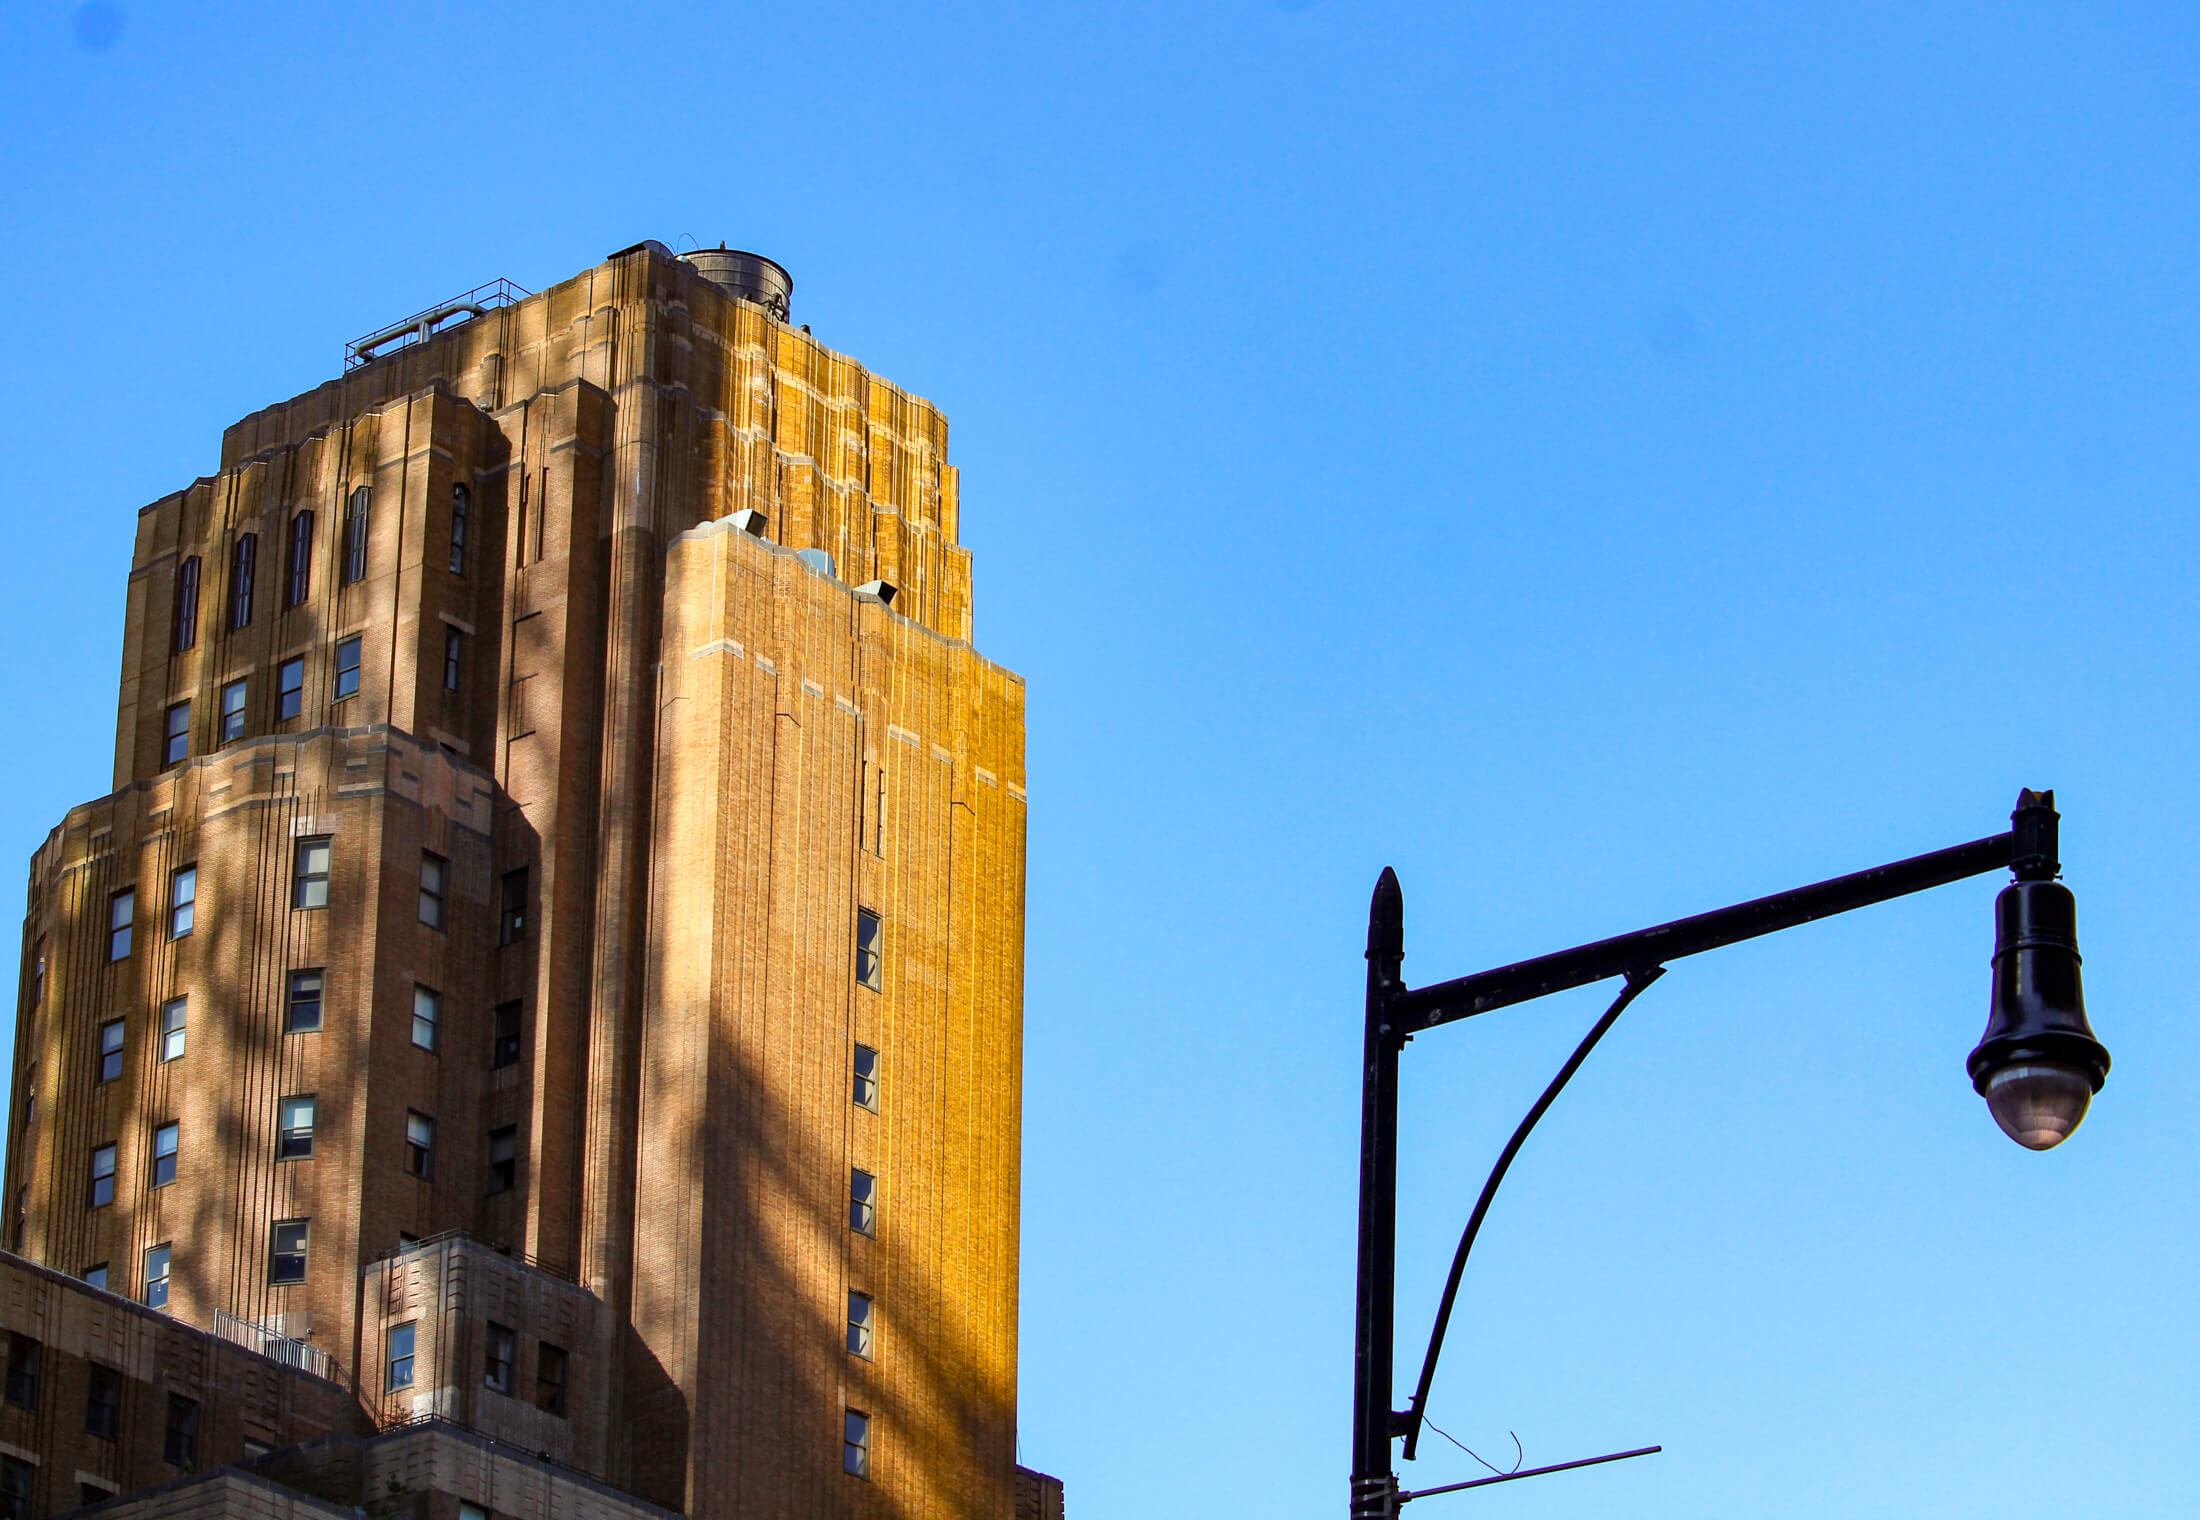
(501, 1365)
(102, 1403)
(294, 1142)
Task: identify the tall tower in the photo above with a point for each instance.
(554, 944)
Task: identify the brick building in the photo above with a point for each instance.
(550, 963)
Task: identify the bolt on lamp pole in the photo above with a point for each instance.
(2038, 1064)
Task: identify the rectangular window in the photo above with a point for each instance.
(866, 1078)
(186, 631)
(16, 1478)
(503, 1348)
(302, 1014)
(102, 1401)
(244, 561)
(156, 1278)
(435, 875)
(183, 901)
(110, 1050)
(290, 688)
(347, 668)
(855, 1443)
(172, 1015)
(869, 968)
(103, 1175)
(427, 1015)
(859, 1325)
(419, 1144)
(309, 873)
(550, 1368)
(862, 1202)
(357, 510)
(454, 657)
(468, 1510)
(24, 1355)
(232, 720)
(504, 1035)
(95, 1276)
(166, 1138)
(398, 1358)
(503, 1158)
(294, 1128)
(462, 502)
(121, 913)
(181, 1443)
(89, 1494)
(175, 741)
(286, 1250)
(512, 908)
(300, 583)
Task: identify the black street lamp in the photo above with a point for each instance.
(2038, 1067)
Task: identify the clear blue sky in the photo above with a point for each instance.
(1606, 463)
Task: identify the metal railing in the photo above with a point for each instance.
(274, 1345)
(423, 325)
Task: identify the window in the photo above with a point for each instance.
(347, 668)
(454, 657)
(855, 1443)
(419, 1144)
(95, 1276)
(244, 559)
(504, 1040)
(294, 1128)
(290, 688)
(110, 1050)
(286, 1251)
(183, 900)
(121, 912)
(232, 719)
(866, 1078)
(302, 1015)
(550, 1378)
(309, 873)
(435, 874)
(461, 505)
(427, 1015)
(175, 743)
(103, 1178)
(468, 1510)
(24, 1355)
(859, 1325)
(38, 973)
(165, 1140)
(89, 1494)
(300, 583)
(156, 1278)
(503, 1158)
(186, 632)
(102, 1401)
(356, 512)
(502, 1351)
(181, 1446)
(172, 1015)
(868, 970)
(16, 1478)
(862, 1202)
(512, 908)
(399, 1357)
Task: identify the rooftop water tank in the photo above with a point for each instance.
(750, 276)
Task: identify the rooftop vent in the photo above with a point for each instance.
(750, 276)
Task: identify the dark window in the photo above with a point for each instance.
(286, 1251)
(181, 1447)
(89, 1494)
(427, 1016)
(503, 1158)
(869, 969)
(156, 1277)
(454, 657)
(504, 1041)
(503, 1347)
(549, 1378)
(244, 561)
(175, 740)
(24, 1355)
(435, 873)
(419, 1144)
(183, 901)
(186, 631)
(290, 688)
(399, 1357)
(110, 1050)
(461, 506)
(166, 1139)
(356, 512)
(300, 583)
(103, 1175)
(855, 1443)
(16, 1478)
(232, 719)
(859, 1324)
(862, 1202)
(303, 1014)
(866, 1078)
(102, 1401)
(294, 1116)
(512, 908)
(95, 1276)
(309, 874)
(172, 1016)
(347, 668)
(121, 913)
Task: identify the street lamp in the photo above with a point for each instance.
(2038, 1067)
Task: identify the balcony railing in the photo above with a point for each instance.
(274, 1345)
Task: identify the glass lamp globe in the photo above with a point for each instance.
(2037, 1103)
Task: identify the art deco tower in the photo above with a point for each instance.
(554, 944)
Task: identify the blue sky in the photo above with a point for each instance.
(1606, 462)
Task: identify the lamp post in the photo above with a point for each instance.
(2038, 1064)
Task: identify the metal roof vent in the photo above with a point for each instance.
(750, 276)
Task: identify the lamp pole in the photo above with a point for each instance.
(2038, 1064)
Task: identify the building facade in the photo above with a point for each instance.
(553, 947)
